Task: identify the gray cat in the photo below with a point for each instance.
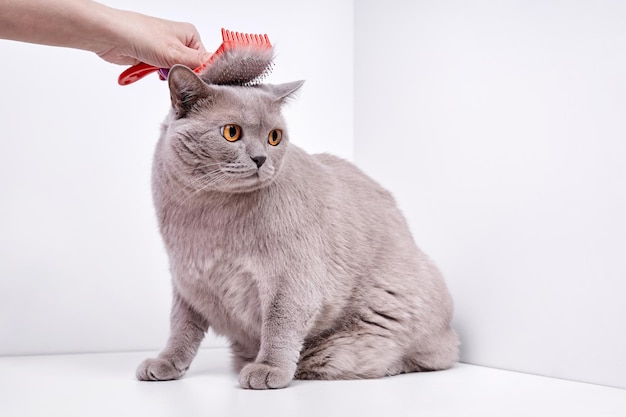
(304, 263)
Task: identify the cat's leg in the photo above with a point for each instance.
(243, 353)
(284, 328)
(187, 329)
(359, 349)
(368, 348)
(433, 353)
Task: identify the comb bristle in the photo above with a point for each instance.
(230, 37)
(242, 64)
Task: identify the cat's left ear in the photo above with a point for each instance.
(186, 88)
(283, 92)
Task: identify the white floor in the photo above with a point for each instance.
(104, 385)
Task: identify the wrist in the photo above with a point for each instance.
(103, 28)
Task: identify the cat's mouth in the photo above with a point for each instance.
(245, 180)
(252, 174)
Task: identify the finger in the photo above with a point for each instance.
(192, 37)
(192, 58)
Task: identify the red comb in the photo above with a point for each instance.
(230, 40)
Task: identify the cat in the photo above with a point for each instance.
(303, 262)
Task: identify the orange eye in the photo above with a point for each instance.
(275, 136)
(231, 132)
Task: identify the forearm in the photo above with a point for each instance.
(118, 36)
(81, 24)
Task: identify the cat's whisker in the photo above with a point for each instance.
(191, 187)
(216, 177)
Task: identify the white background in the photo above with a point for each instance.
(498, 126)
(82, 267)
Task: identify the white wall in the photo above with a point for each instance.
(500, 127)
(81, 263)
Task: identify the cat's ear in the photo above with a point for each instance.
(283, 92)
(186, 88)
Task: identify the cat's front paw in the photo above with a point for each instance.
(158, 370)
(262, 376)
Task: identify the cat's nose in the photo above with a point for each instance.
(258, 160)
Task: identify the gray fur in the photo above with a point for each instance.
(305, 264)
(240, 66)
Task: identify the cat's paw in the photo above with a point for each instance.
(261, 376)
(158, 370)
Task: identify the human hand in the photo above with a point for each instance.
(158, 42)
(118, 36)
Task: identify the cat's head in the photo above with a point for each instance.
(224, 138)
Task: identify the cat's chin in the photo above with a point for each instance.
(246, 185)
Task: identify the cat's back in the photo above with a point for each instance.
(352, 180)
(342, 168)
(367, 204)
(359, 213)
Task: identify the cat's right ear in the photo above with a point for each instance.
(186, 88)
(283, 92)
